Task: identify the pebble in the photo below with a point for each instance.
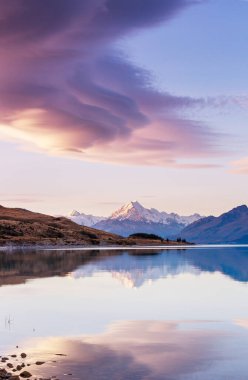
(25, 374)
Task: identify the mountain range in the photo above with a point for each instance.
(230, 227)
(20, 227)
(133, 218)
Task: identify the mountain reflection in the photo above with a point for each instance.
(149, 350)
(132, 267)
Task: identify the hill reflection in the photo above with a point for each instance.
(132, 267)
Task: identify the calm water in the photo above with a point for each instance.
(152, 315)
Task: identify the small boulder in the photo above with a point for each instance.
(25, 374)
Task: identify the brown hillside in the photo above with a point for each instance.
(20, 226)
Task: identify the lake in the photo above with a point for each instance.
(150, 314)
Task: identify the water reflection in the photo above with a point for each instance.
(74, 303)
(144, 350)
(133, 268)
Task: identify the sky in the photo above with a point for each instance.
(107, 101)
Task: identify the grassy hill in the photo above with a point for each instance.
(20, 226)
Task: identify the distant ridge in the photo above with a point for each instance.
(133, 218)
(230, 227)
(84, 219)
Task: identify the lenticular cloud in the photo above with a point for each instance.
(65, 89)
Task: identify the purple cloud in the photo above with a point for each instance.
(64, 88)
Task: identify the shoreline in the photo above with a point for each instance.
(89, 247)
(117, 247)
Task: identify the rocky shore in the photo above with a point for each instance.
(18, 367)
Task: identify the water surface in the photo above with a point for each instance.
(130, 314)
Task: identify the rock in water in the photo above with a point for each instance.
(25, 374)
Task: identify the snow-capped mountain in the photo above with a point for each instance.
(136, 212)
(84, 219)
(133, 217)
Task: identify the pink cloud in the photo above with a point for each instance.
(65, 90)
(240, 166)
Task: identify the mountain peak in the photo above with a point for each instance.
(239, 209)
(85, 219)
(74, 213)
(132, 210)
(134, 204)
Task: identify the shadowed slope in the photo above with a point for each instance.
(230, 227)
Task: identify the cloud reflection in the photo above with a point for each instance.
(148, 350)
